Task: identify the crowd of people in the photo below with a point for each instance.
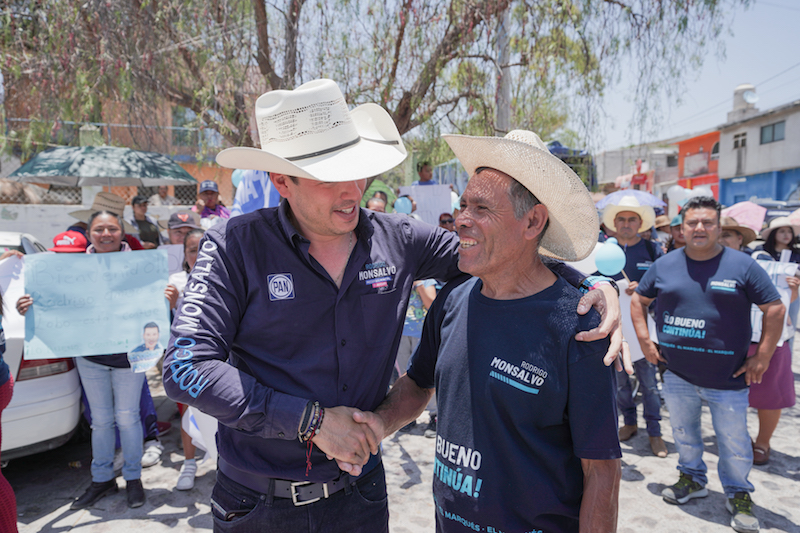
(317, 329)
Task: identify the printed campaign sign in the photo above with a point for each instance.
(174, 257)
(97, 304)
(778, 272)
(12, 287)
(628, 330)
(432, 201)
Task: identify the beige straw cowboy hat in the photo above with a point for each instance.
(310, 133)
(572, 233)
(629, 203)
(106, 201)
(748, 235)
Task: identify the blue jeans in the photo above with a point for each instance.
(651, 401)
(361, 507)
(729, 417)
(113, 395)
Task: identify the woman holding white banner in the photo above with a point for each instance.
(8, 503)
(776, 389)
(113, 392)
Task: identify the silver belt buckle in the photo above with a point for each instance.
(303, 483)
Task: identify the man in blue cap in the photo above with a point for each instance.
(208, 205)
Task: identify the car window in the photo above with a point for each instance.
(5, 248)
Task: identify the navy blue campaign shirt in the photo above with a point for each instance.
(702, 313)
(638, 259)
(261, 329)
(520, 402)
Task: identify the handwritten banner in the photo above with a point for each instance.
(778, 272)
(97, 304)
(11, 285)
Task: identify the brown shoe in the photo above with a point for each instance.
(658, 446)
(760, 455)
(626, 432)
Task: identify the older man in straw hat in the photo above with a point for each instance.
(527, 430)
(292, 317)
(628, 218)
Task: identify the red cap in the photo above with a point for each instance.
(69, 242)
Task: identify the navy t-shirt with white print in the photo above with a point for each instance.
(702, 312)
(520, 403)
(638, 259)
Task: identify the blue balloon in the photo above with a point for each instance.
(403, 205)
(236, 177)
(610, 258)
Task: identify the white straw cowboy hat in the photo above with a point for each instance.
(748, 235)
(629, 203)
(106, 201)
(310, 133)
(572, 233)
(779, 222)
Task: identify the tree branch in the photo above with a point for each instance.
(263, 53)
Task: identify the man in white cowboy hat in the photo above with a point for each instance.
(627, 219)
(703, 294)
(292, 318)
(527, 428)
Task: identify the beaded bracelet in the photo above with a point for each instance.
(313, 431)
(593, 282)
(314, 422)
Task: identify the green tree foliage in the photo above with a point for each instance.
(431, 63)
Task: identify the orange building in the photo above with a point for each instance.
(698, 159)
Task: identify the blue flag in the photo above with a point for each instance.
(255, 190)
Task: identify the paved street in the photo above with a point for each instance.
(45, 485)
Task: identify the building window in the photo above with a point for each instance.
(715, 151)
(773, 132)
(672, 161)
(740, 140)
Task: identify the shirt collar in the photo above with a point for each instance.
(364, 229)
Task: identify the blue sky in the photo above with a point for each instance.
(765, 42)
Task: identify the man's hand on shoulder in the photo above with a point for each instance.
(606, 302)
(340, 437)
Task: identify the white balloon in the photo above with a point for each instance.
(702, 190)
(676, 193)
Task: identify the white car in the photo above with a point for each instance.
(46, 405)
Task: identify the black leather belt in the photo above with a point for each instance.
(300, 492)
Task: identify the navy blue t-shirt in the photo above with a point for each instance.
(638, 259)
(702, 312)
(520, 403)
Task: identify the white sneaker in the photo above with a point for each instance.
(152, 453)
(186, 477)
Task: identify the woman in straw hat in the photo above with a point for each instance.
(776, 390)
(780, 236)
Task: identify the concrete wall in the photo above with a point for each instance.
(761, 158)
(46, 221)
(614, 163)
(776, 185)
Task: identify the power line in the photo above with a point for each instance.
(727, 100)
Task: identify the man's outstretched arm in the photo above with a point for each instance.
(404, 403)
